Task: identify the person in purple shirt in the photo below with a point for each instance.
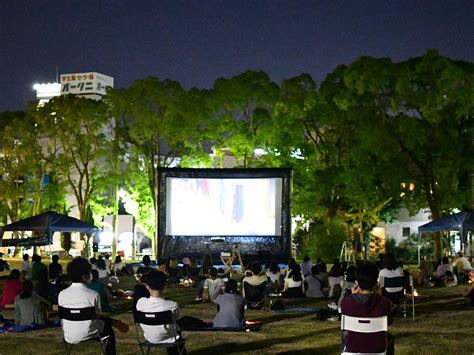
(363, 302)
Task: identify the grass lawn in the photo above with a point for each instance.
(443, 324)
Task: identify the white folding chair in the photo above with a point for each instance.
(363, 325)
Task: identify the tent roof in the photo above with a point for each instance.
(462, 221)
(50, 222)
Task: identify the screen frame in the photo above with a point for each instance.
(164, 240)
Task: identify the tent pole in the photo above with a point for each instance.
(419, 249)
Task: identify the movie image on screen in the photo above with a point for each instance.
(210, 211)
(219, 207)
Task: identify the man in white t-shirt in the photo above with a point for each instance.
(212, 286)
(78, 295)
(155, 282)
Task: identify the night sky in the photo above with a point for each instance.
(195, 42)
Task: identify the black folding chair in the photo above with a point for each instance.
(82, 314)
(254, 295)
(166, 319)
(406, 282)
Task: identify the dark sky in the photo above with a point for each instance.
(197, 41)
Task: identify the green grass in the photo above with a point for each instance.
(444, 324)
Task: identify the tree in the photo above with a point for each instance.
(21, 166)
(159, 123)
(417, 118)
(241, 109)
(77, 138)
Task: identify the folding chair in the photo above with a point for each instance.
(406, 282)
(81, 314)
(363, 325)
(255, 295)
(166, 319)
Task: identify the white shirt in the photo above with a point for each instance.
(79, 296)
(386, 273)
(157, 333)
(214, 287)
(463, 263)
(25, 265)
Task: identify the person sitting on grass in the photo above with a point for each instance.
(155, 282)
(256, 277)
(11, 288)
(363, 302)
(77, 295)
(29, 307)
(313, 284)
(25, 268)
(55, 269)
(212, 286)
(441, 271)
(293, 287)
(230, 308)
(102, 289)
(173, 271)
(462, 267)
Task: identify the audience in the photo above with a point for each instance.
(55, 269)
(212, 286)
(29, 307)
(78, 295)
(461, 266)
(440, 275)
(103, 274)
(313, 284)
(230, 307)
(155, 282)
(335, 278)
(256, 277)
(426, 270)
(306, 266)
(363, 302)
(11, 288)
(36, 268)
(25, 268)
(293, 287)
(102, 289)
(391, 269)
(274, 277)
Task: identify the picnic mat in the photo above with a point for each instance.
(10, 326)
(308, 310)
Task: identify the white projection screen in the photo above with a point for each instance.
(223, 206)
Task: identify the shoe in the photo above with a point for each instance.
(121, 326)
(332, 305)
(333, 319)
(197, 299)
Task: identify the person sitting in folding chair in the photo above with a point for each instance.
(79, 297)
(155, 282)
(363, 302)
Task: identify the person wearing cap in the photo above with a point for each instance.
(461, 266)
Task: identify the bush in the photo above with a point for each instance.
(407, 250)
(323, 239)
